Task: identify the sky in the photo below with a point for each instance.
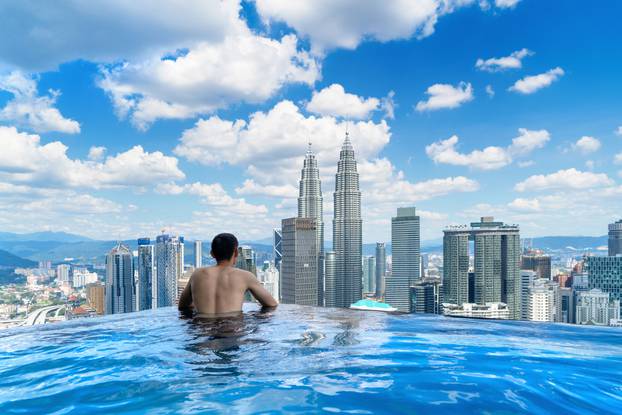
(122, 119)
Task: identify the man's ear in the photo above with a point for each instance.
(212, 254)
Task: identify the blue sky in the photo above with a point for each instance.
(119, 120)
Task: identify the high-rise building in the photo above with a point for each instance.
(146, 271)
(120, 286)
(330, 274)
(347, 229)
(527, 278)
(45, 264)
(169, 254)
(406, 254)
(544, 301)
(605, 273)
(615, 238)
(381, 268)
(594, 307)
(82, 277)
(95, 297)
(62, 273)
(183, 280)
(246, 259)
(310, 206)
(537, 262)
(269, 277)
(369, 274)
(567, 305)
(198, 254)
(496, 264)
(426, 296)
(278, 251)
(299, 282)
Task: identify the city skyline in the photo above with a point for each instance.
(105, 140)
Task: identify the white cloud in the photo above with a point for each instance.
(335, 101)
(526, 163)
(531, 84)
(490, 158)
(39, 36)
(619, 131)
(564, 179)
(617, 159)
(514, 61)
(388, 105)
(242, 68)
(25, 160)
(586, 145)
(251, 188)
(214, 195)
(525, 205)
(96, 153)
(346, 23)
(446, 96)
(506, 4)
(489, 91)
(28, 110)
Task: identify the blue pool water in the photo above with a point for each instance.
(309, 360)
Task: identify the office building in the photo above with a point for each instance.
(347, 229)
(594, 307)
(426, 296)
(169, 259)
(615, 238)
(198, 254)
(496, 264)
(381, 269)
(120, 286)
(369, 274)
(269, 278)
(406, 259)
(537, 262)
(82, 277)
(246, 259)
(310, 206)
(62, 274)
(146, 271)
(330, 275)
(489, 310)
(95, 297)
(277, 250)
(605, 273)
(527, 277)
(299, 282)
(567, 305)
(544, 301)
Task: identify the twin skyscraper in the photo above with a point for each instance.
(309, 275)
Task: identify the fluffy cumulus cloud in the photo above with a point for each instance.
(334, 100)
(29, 110)
(564, 179)
(530, 84)
(243, 67)
(586, 145)
(39, 35)
(443, 96)
(513, 61)
(506, 4)
(25, 160)
(490, 158)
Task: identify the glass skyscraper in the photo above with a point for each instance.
(299, 282)
(120, 287)
(145, 267)
(347, 230)
(615, 238)
(369, 274)
(310, 206)
(169, 251)
(381, 268)
(406, 266)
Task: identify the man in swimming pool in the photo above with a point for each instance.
(219, 290)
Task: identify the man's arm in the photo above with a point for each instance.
(185, 299)
(259, 292)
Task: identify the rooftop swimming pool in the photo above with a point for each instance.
(309, 360)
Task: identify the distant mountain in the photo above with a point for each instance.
(579, 243)
(43, 236)
(8, 260)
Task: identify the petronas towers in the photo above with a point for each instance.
(310, 275)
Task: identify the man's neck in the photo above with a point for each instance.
(225, 263)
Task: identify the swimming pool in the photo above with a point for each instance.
(309, 360)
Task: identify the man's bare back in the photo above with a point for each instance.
(220, 289)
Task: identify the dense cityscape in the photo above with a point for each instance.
(484, 270)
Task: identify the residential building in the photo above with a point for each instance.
(169, 259)
(347, 229)
(120, 286)
(470, 310)
(594, 307)
(269, 277)
(95, 297)
(527, 278)
(246, 259)
(299, 282)
(62, 274)
(544, 301)
(82, 277)
(538, 262)
(406, 255)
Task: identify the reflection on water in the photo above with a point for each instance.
(305, 360)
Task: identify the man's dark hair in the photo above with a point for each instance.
(223, 246)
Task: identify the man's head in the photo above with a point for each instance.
(224, 247)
